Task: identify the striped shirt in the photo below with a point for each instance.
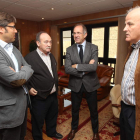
(128, 83)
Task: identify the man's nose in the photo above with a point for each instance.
(15, 30)
(125, 28)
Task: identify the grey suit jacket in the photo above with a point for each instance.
(13, 100)
(89, 80)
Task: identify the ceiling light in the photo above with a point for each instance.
(52, 8)
(69, 3)
(42, 18)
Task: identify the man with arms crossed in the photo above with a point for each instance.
(130, 105)
(81, 63)
(14, 73)
(43, 87)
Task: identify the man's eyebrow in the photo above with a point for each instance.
(129, 22)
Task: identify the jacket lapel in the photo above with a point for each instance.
(42, 64)
(17, 57)
(53, 65)
(76, 54)
(86, 52)
(7, 57)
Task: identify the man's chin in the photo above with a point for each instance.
(127, 39)
(13, 40)
(48, 51)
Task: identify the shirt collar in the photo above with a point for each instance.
(3, 43)
(136, 46)
(40, 52)
(83, 44)
(7, 46)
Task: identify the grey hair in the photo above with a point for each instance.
(39, 34)
(6, 18)
(131, 9)
(84, 27)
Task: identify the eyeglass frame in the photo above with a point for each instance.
(10, 26)
(78, 33)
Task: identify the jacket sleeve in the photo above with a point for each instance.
(90, 67)
(14, 79)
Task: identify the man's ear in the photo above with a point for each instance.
(85, 35)
(2, 30)
(38, 43)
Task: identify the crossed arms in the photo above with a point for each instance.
(90, 64)
(9, 77)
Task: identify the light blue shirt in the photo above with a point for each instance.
(9, 49)
(83, 46)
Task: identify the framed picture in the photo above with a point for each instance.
(17, 43)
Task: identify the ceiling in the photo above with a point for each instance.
(35, 10)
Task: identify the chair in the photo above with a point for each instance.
(63, 80)
(115, 95)
(104, 74)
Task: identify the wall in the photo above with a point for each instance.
(28, 30)
(100, 17)
(136, 3)
(45, 26)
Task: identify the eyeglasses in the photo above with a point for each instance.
(11, 26)
(78, 33)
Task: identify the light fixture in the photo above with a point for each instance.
(52, 8)
(42, 18)
(69, 3)
(65, 22)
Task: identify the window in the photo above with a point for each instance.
(98, 39)
(66, 40)
(113, 37)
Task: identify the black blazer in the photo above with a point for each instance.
(42, 79)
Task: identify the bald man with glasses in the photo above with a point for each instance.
(81, 63)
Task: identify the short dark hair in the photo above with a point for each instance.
(6, 18)
(84, 27)
(38, 35)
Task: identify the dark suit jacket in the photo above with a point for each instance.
(13, 101)
(89, 80)
(42, 79)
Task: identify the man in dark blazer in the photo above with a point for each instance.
(81, 63)
(43, 87)
(14, 73)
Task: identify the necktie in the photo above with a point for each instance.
(81, 52)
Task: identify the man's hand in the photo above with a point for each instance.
(12, 69)
(91, 61)
(33, 92)
(74, 66)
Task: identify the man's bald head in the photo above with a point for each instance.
(132, 27)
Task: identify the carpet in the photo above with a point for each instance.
(106, 127)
